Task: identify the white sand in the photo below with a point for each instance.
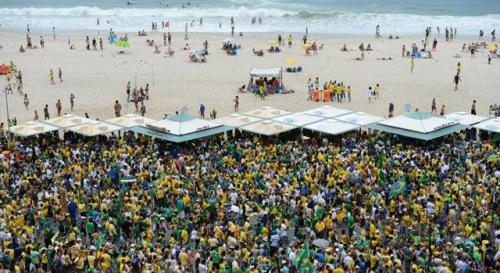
(99, 78)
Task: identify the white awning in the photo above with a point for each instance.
(237, 120)
(267, 112)
(492, 125)
(67, 121)
(182, 125)
(465, 118)
(271, 72)
(32, 128)
(360, 118)
(268, 127)
(298, 119)
(130, 120)
(94, 128)
(418, 122)
(332, 127)
(327, 111)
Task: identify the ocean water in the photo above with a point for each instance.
(319, 16)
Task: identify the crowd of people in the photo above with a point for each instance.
(336, 91)
(365, 203)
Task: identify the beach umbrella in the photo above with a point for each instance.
(272, 42)
(291, 62)
(321, 243)
(122, 43)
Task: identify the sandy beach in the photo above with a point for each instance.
(98, 78)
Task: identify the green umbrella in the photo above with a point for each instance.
(122, 43)
(492, 157)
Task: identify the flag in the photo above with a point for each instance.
(306, 268)
(304, 254)
(398, 188)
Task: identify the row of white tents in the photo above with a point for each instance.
(266, 121)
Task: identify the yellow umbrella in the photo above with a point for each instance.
(291, 62)
(272, 42)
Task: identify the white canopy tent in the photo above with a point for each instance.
(359, 118)
(130, 120)
(298, 119)
(491, 125)
(266, 73)
(67, 121)
(268, 127)
(237, 120)
(267, 112)
(327, 111)
(465, 118)
(94, 128)
(332, 127)
(182, 125)
(32, 128)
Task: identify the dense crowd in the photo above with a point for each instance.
(363, 203)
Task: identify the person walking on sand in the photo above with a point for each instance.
(26, 101)
(58, 107)
(59, 74)
(46, 112)
(236, 102)
(433, 106)
(459, 68)
(118, 109)
(442, 111)
(128, 91)
(412, 64)
(456, 80)
(51, 77)
(72, 101)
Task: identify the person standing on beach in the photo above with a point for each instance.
(94, 44)
(128, 91)
(51, 77)
(26, 101)
(59, 74)
(117, 108)
(433, 106)
(403, 51)
(370, 94)
(58, 107)
(72, 101)
(35, 115)
(290, 41)
(493, 37)
(412, 64)
(434, 44)
(236, 102)
(442, 111)
(459, 68)
(377, 32)
(143, 109)
(169, 38)
(42, 42)
(101, 44)
(473, 108)
(376, 91)
(54, 33)
(309, 89)
(202, 111)
(46, 112)
(456, 80)
(349, 91)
